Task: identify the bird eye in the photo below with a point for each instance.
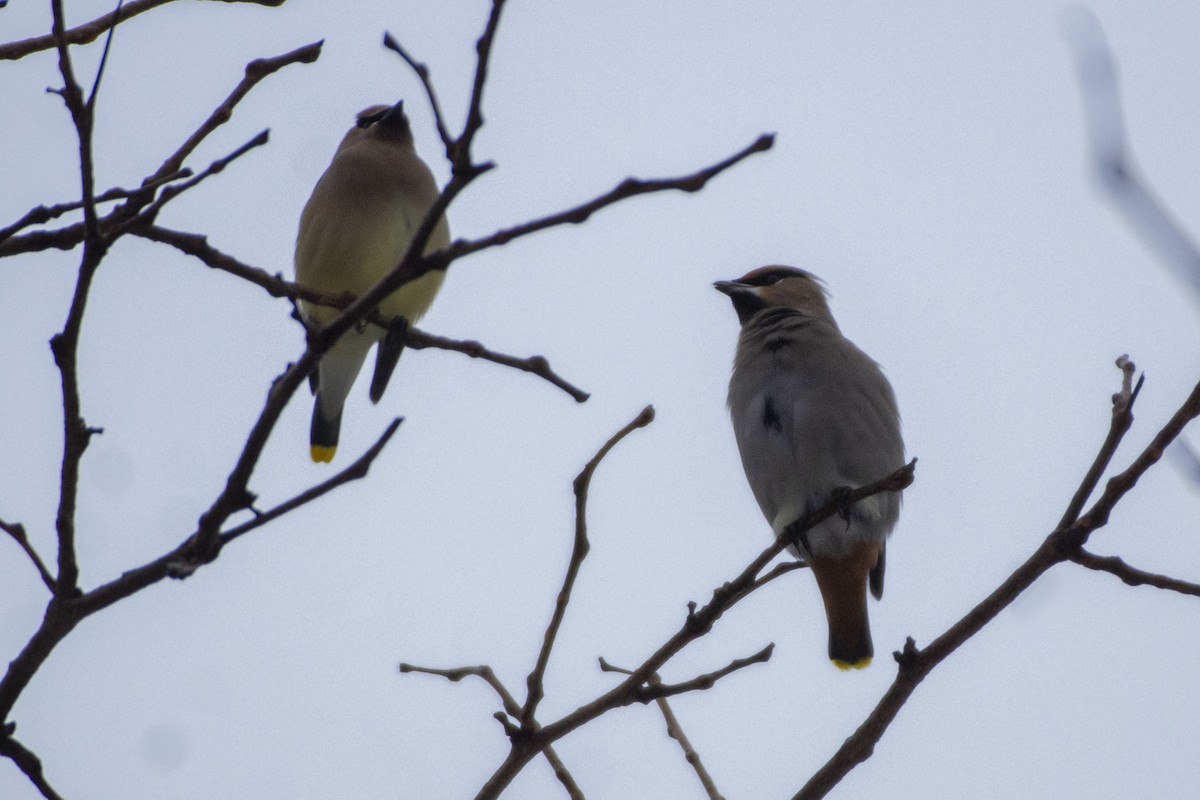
(770, 280)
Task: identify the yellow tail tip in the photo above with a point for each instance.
(322, 455)
(846, 666)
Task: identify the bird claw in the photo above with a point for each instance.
(802, 539)
(841, 496)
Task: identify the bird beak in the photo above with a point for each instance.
(395, 112)
(747, 300)
(730, 288)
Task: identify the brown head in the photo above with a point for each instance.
(777, 287)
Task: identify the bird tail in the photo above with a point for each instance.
(843, 585)
(337, 371)
(323, 435)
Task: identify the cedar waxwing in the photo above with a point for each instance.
(812, 415)
(356, 227)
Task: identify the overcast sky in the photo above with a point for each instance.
(930, 165)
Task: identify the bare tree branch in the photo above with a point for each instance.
(108, 40)
(1122, 418)
(90, 31)
(64, 345)
(526, 743)
(630, 187)
(675, 731)
(1111, 156)
(583, 481)
(1120, 485)
(1132, 576)
(511, 708)
(60, 619)
(69, 605)
(256, 71)
(355, 471)
(70, 236)
(781, 569)
(64, 612)
(655, 689)
(171, 192)
(197, 245)
(42, 214)
(460, 156)
(422, 72)
(535, 365)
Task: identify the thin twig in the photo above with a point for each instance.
(460, 158)
(197, 245)
(1111, 156)
(422, 72)
(171, 192)
(90, 31)
(43, 214)
(1122, 418)
(1119, 485)
(483, 672)
(108, 40)
(355, 471)
(781, 569)
(535, 365)
(256, 71)
(675, 731)
(1132, 576)
(630, 187)
(70, 236)
(579, 551)
(413, 265)
(27, 762)
(653, 690)
(17, 531)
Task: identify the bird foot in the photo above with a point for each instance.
(841, 496)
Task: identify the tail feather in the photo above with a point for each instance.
(323, 435)
(843, 585)
(336, 373)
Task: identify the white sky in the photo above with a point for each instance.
(929, 165)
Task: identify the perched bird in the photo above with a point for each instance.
(813, 416)
(356, 228)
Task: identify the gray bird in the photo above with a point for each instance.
(814, 415)
(356, 227)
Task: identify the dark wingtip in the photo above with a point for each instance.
(388, 355)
